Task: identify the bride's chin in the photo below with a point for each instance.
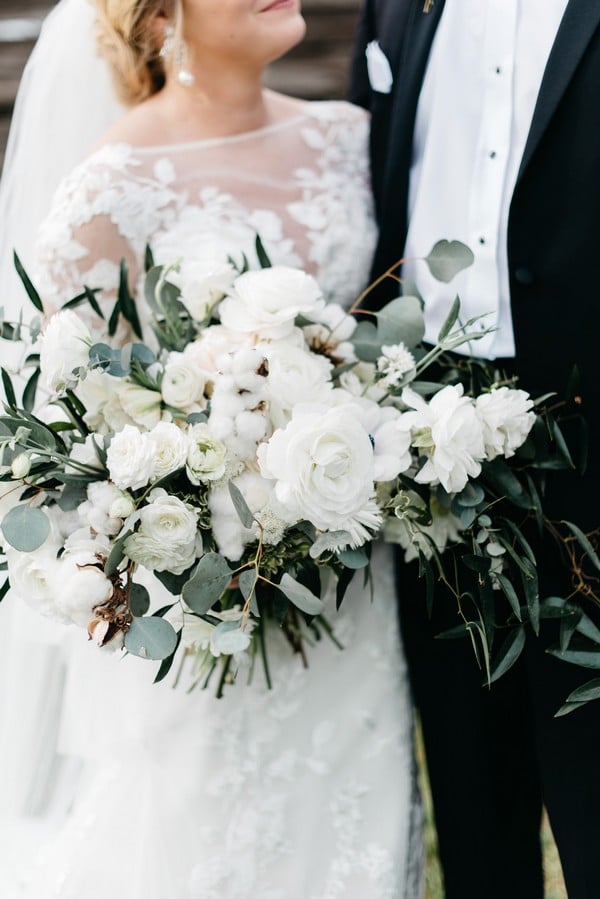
(286, 36)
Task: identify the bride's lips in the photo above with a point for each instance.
(278, 4)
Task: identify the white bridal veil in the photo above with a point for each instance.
(64, 104)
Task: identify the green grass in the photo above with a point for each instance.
(434, 888)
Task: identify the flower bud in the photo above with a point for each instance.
(21, 466)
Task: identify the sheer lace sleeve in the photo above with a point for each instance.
(302, 185)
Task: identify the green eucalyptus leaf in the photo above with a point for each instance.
(209, 581)
(117, 554)
(26, 529)
(584, 543)
(139, 600)
(329, 541)
(353, 558)
(240, 505)
(27, 284)
(509, 652)
(167, 664)
(401, 321)
(510, 593)
(367, 342)
(29, 391)
(451, 320)
(448, 258)
(587, 691)
(300, 596)
(151, 638)
(471, 495)
(585, 658)
(262, 255)
(4, 589)
(9, 390)
(229, 638)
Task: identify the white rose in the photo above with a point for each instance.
(130, 459)
(331, 332)
(206, 456)
(322, 464)
(448, 431)
(140, 404)
(166, 539)
(64, 348)
(183, 384)
(506, 417)
(266, 302)
(170, 448)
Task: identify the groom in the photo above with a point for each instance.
(486, 128)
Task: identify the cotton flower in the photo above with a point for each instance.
(506, 417)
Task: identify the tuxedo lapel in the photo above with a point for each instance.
(408, 77)
(580, 20)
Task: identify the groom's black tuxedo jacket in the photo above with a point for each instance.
(554, 223)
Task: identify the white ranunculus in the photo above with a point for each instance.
(294, 375)
(206, 456)
(322, 465)
(64, 348)
(391, 437)
(170, 448)
(140, 404)
(130, 459)
(448, 431)
(506, 417)
(183, 383)
(99, 393)
(166, 539)
(266, 302)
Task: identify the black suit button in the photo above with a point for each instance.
(524, 276)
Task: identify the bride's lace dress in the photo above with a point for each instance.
(305, 791)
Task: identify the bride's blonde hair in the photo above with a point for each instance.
(131, 45)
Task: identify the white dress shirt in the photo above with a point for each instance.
(473, 117)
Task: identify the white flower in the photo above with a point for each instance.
(206, 456)
(79, 583)
(203, 282)
(506, 417)
(294, 374)
(183, 383)
(166, 539)
(130, 459)
(21, 466)
(448, 431)
(230, 534)
(140, 404)
(322, 464)
(331, 332)
(212, 345)
(31, 578)
(64, 348)
(394, 364)
(266, 302)
(122, 507)
(170, 448)
(99, 393)
(95, 512)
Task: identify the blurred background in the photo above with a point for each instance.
(317, 69)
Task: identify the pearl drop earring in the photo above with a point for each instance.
(174, 51)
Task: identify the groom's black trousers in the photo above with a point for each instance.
(495, 755)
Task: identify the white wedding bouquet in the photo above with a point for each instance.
(246, 453)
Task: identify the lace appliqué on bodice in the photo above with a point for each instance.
(212, 198)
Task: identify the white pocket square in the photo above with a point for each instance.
(378, 68)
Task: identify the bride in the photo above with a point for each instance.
(127, 789)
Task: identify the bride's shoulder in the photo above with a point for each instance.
(338, 111)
